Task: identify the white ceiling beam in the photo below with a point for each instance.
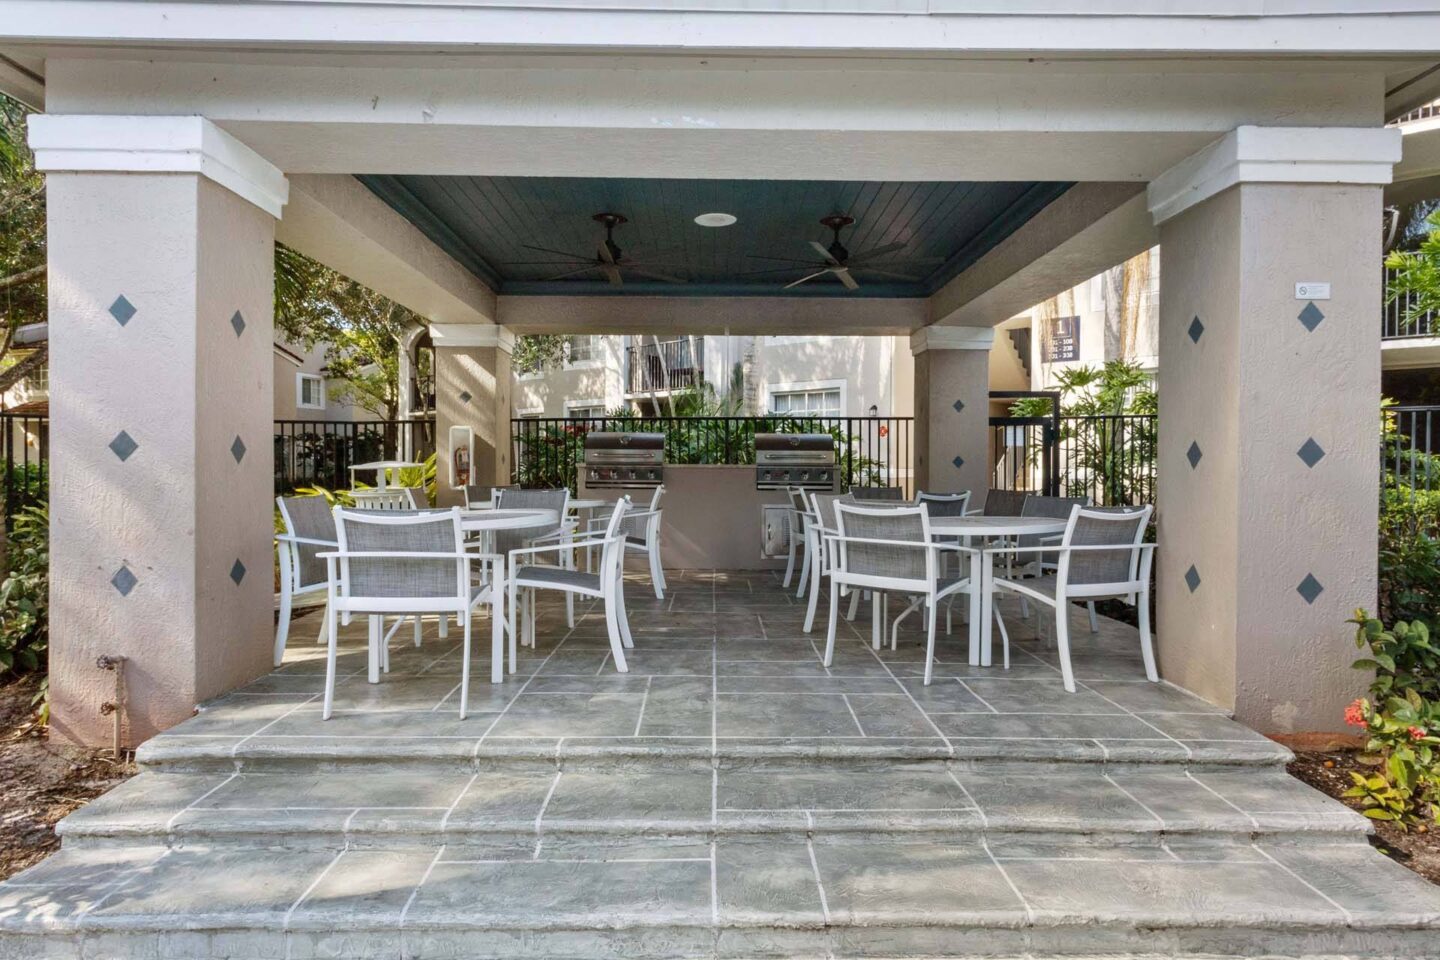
(826, 316)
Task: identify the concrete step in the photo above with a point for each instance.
(825, 896)
(379, 807)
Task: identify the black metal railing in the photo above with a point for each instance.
(1110, 459)
(24, 462)
(869, 451)
(311, 453)
(1410, 450)
(668, 365)
(1396, 322)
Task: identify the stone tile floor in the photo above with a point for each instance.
(722, 666)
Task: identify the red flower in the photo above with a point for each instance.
(1416, 733)
(1355, 714)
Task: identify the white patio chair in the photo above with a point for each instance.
(1004, 503)
(1100, 556)
(1035, 564)
(794, 518)
(309, 529)
(561, 531)
(888, 550)
(406, 564)
(819, 523)
(391, 498)
(945, 505)
(607, 584)
(642, 535)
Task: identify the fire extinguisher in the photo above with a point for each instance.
(461, 458)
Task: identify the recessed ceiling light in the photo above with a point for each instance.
(715, 219)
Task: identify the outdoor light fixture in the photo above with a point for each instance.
(715, 219)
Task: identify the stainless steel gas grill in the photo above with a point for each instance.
(624, 461)
(805, 460)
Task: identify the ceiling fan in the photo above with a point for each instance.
(836, 259)
(608, 258)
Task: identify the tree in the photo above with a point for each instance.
(535, 353)
(1416, 277)
(22, 247)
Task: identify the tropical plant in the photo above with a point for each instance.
(25, 591)
(1400, 720)
(1416, 275)
(536, 352)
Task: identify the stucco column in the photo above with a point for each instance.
(161, 258)
(1269, 386)
(952, 408)
(472, 389)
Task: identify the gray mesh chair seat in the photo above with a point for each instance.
(542, 575)
(309, 531)
(1102, 554)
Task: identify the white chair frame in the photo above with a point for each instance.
(610, 586)
(929, 587)
(343, 604)
(1135, 590)
(795, 519)
(287, 547)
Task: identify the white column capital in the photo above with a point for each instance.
(1248, 154)
(951, 338)
(472, 335)
(94, 144)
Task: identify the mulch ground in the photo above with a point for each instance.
(1329, 771)
(41, 782)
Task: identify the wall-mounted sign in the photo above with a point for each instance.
(1061, 340)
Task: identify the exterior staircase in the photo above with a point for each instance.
(540, 828)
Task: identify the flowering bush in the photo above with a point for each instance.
(1400, 721)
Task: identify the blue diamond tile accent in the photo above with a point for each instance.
(1310, 588)
(237, 449)
(959, 462)
(1311, 316)
(465, 396)
(237, 572)
(1311, 452)
(123, 445)
(1192, 578)
(1196, 328)
(122, 310)
(238, 322)
(124, 581)
(1194, 454)
(958, 405)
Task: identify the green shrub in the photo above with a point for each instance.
(25, 592)
(1409, 553)
(1400, 721)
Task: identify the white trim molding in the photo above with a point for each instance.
(951, 338)
(472, 335)
(95, 144)
(1247, 154)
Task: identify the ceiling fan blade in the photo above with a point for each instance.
(878, 251)
(820, 249)
(756, 256)
(563, 253)
(612, 273)
(888, 273)
(604, 253)
(844, 274)
(806, 279)
(652, 275)
(571, 273)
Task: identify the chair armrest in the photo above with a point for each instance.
(915, 544)
(305, 541)
(592, 542)
(1060, 548)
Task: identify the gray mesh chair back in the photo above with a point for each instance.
(401, 577)
(889, 561)
(878, 493)
(419, 499)
(825, 507)
(515, 499)
(478, 494)
(1036, 506)
(309, 518)
(1004, 503)
(1124, 527)
(945, 504)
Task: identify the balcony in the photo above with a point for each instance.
(665, 366)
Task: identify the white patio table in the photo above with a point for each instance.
(485, 522)
(981, 592)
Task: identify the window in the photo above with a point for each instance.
(806, 403)
(583, 350)
(583, 410)
(309, 391)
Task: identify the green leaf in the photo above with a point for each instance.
(1375, 813)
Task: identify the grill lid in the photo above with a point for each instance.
(796, 442)
(606, 440)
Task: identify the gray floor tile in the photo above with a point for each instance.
(570, 715)
(913, 882)
(760, 881)
(779, 715)
(1059, 797)
(644, 799)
